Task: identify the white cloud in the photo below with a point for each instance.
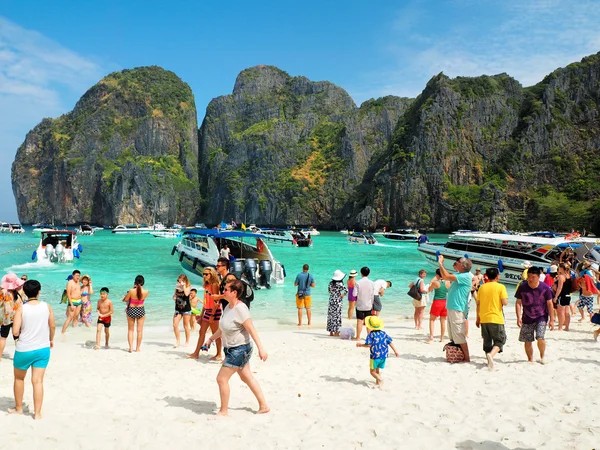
(528, 40)
(36, 75)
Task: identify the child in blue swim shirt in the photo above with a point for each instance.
(378, 341)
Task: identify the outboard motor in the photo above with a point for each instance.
(49, 250)
(60, 252)
(250, 272)
(237, 268)
(265, 273)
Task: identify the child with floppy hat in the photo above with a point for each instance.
(378, 341)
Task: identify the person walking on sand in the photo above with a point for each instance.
(351, 293)
(10, 302)
(73, 299)
(304, 281)
(380, 286)
(534, 300)
(377, 341)
(562, 297)
(34, 330)
(587, 284)
(438, 305)
(337, 290)
(457, 301)
(236, 329)
(491, 297)
(193, 304)
(211, 312)
(183, 308)
(86, 300)
(365, 292)
(105, 311)
(136, 313)
(420, 304)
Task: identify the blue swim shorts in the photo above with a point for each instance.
(237, 357)
(378, 364)
(35, 358)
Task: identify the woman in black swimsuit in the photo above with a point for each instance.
(183, 308)
(562, 296)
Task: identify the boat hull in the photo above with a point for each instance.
(401, 237)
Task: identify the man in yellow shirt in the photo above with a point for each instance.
(491, 298)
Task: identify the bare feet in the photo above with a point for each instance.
(193, 356)
(37, 416)
(222, 413)
(15, 411)
(430, 340)
(129, 350)
(490, 361)
(216, 358)
(176, 345)
(263, 409)
(106, 346)
(96, 347)
(542, 361)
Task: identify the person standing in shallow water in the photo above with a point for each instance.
(438, 305)
(304, 281)
(337, 290)
(136, 313)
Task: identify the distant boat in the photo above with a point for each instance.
(344, 231)
(170, 233)
(5, 227)
(361, 238)
(138, 228)
(16, 228)
(39, 228)
(312, 231)
(403, 234)
(85, 230)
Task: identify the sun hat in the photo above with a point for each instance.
(338, 275)
(353, 273)
(553, 268)
(374, 323)
(11, 281)
(86, 276)
(526, 264)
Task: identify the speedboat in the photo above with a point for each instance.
(312, 231)
(85, 230)
(200, 226)
(403, 234)
(39, 228)
(169, 233)
(344, 231)
(507, 252)
(138, 228)
(361, 238)
(58, 246)
(302, 238)
(252, 260)
(16, 228)
(5, 227)
(278, 236)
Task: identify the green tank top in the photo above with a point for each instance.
(440, 293)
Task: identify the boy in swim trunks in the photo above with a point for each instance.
(105, 311)
(194, 304)
(378, 341)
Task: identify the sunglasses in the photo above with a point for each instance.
(220, 265)
(23, 279)
(205, 274)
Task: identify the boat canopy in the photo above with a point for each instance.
(225, 234)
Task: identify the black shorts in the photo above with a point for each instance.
(4, 330)
(564, 300)
(361, 315)
(493, 335)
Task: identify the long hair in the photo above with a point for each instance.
(139, 282)
(213, 279)
(186, 281)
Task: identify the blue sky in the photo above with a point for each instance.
(52, 52)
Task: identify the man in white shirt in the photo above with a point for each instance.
(225, 252)
(365, 292)
(380, 286)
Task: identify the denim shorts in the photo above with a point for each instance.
(35, 358)
(237, 357)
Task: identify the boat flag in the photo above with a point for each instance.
(243, 227)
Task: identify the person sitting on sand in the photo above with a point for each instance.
(211, 312)
(490, 299)
(236, 329)
(105, 311)
(378, 341)
(73, 293)
(534, 300)
(136, 313)
(438, 305)
(183, 308)
(34, 330)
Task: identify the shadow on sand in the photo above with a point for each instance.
(196, 406)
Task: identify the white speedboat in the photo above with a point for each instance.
(312, 231)
(277, 236)
(138, 228)
(403, 234)
(58, 246)
(361, 238)
(86, 230)
(39, 228)
(507, 252)
(16, 228)
(5, 227)
(253, 261)
(169, 233)
(344, 231)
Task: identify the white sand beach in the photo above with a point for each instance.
(320, 394)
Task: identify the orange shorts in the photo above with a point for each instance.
(305, 302)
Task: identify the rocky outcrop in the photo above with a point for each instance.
(127, 153)
(485, 153)
(283, 149)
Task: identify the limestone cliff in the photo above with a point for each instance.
(127, 153)
(283, 149)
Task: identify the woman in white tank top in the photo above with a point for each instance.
(34, 328)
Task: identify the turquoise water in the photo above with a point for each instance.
(115, 260)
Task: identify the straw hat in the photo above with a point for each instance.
(11, 282)
(353, 273)
(338, 275)
(374, 323)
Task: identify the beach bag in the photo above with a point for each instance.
(454, 353)
(414, 291)
(347, 333)
(596, 319)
